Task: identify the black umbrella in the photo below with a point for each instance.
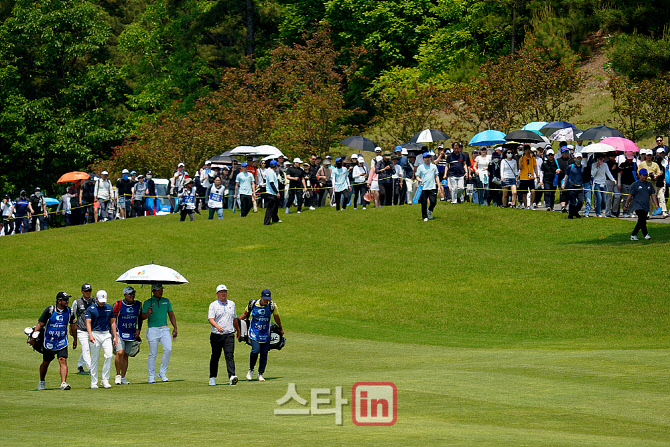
(360, 143)
(598, 133)
(413, 146)
(553, 126)
(524, 136)
(429, 136)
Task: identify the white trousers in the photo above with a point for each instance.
(85, 356)
(160, 335)
(102, 340)
(456, 185)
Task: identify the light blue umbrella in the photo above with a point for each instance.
(488, 138)
(535, 126)
(51, 201)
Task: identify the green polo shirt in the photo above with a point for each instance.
(161, 308)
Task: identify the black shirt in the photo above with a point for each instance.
(292, 171)
(124, 187)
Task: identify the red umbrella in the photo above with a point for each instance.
(621, 144)
(73, 177)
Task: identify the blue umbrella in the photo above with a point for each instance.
(488, 138)
(553, 126)
(535, 126)
(51, 201)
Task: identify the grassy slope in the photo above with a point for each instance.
(499, 327)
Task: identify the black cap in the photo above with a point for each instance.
(266, 294)
(86, 288)
(150, 173)
(6, 196)
(62, 296)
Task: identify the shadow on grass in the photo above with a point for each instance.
(658, 233)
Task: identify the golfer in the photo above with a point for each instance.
(129, 325)
(640, 193)
(100, 325)
(79, 310)
(259, 312)
(428, 177)
(55, 320)
(156, 310)
(222, 316)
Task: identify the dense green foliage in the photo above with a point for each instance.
(77, 78)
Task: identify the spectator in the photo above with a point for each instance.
(244, 189)
(662, 162)
(573, 182)
(549, 179)
(600, 173)
(272, 195)
(187, 200)
(65, 205)
(39, 210)
(509, 174)
(206, 180)
(360, 174)
(563, 162)
(495, 182)
(587, 185)
(625, 179)
(384, 171)
(232, 184)
(103, 194)
(398, 181)
(482, 175)
(260, 182)
(297, 185)
(429, 178)
(409, 175)
(527, 175)
(21, 211)
(654, 173)
(340, 176)
(139, 192)
(124, 190)
(151, 201)
(456, 172)
(314, 166)
(373, 182)
(323, 177)
(539, 159)
(281, 179)
(7, 221)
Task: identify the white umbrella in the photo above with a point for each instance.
(544, 143)
(150, 274)
(598, 148)
(243, 150)
(567, 134)
(267, 150)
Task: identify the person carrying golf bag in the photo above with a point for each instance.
(259, 313)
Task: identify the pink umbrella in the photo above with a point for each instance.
(621, 144)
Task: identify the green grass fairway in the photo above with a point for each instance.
(498, 328)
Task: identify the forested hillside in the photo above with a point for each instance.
(149, 83)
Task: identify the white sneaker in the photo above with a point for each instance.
(261, 378)
(212, 381)
(364, 208)
(117, 379)
(664, 215)
(41, 385)
(298, 212)
(94, 386)
(151, 380)
(633, 238)
(647, 237)
(312, 208)
(233, 380)
(124, 381)
(279, 221)
(64, 386)
(532, 207)
(286, 211)
(163, 378)
(250, 374)
(106, 384)
(425, 220)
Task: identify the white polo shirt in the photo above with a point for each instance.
(223, 315)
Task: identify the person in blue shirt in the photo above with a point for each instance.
(428, 177)
(340, 178)
(129, 324)
(101, 324)
(22, 211)
(55, 321)
(245, 185)
(573, 182)
(259, 312)
(271, 194)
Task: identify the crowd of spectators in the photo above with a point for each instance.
(510, 175)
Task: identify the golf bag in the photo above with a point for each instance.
(277, 340)
(35, 338)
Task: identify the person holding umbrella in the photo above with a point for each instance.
(156, 310)
(641, 192)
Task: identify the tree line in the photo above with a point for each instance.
(87, 84)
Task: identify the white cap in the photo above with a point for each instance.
(208, 162)
(297, 160)
(361, 159)
(101, 296)
(403, 151)
(379, 158)
(180, 165)
(378, 149)
(354, 156)
(125, 171)
(549, 152)
(570, 146)
(104, 173)
(660, 150)
(578, 154)
(221, 287)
